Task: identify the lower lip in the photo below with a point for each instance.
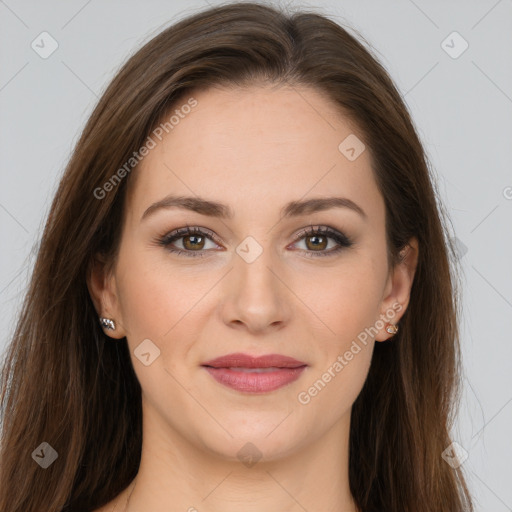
(252, 382)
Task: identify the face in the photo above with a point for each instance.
(269, 276)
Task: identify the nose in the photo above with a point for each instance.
(255, 295)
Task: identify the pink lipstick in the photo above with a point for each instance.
(255, 374)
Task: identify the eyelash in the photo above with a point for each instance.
(342, 240)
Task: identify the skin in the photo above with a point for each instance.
(253, 149)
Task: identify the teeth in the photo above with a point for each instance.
(255, 370)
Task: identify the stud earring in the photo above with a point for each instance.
(392, 329)
(107, 323)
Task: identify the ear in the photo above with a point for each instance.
(102, 289)
(398, 288)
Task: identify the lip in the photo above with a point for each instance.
(240, 360)
(249, 374)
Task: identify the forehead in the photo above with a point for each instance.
(256, 148)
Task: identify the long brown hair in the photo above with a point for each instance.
(64, 384)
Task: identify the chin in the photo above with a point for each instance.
(262, 442)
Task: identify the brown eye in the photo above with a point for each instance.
(317, 242)
(193, 242)
(322, 241)
(190, 241)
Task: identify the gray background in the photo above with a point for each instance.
(461, 106)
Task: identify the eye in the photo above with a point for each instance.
(193, 241)
(316, 240)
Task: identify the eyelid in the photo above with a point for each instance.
(192, 230)
(313, 229)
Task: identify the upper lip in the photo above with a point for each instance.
(239, 360)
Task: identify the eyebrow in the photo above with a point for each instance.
(219, 210)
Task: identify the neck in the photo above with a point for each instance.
(192, 478)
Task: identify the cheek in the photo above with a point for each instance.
(330, 392)
(344, 300)
(165, 305)
(348, 306)
(155, 297)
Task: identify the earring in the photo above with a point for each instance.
(392, 329)
(107, 323)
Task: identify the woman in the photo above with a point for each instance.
(243, 297)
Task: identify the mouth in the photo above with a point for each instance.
(248, 374)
